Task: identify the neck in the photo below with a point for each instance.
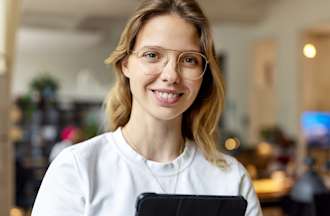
(156, 140)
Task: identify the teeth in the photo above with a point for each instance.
(166, 95)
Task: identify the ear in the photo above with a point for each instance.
(124, 67)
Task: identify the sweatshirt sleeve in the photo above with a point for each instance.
(248, 192)
(61, 191)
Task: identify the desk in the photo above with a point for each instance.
(272, 188)
(273, 194)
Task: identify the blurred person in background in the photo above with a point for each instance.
(163, 113)
(69, 136)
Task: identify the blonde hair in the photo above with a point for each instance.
(200, 121)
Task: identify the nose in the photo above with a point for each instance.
(170, 71)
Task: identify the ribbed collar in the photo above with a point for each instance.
(158, 168)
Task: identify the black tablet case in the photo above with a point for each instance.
(151, 204)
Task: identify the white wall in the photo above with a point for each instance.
(234, 42)
(74, 58)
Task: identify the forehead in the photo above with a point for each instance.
(168, 31)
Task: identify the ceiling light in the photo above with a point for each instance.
(309, 50)
(232, 144)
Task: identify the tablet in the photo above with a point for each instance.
(152, 204)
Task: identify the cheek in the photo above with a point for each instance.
(193, 86)
(141, 81)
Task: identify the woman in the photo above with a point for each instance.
(163, 112)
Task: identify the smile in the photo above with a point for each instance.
(166, 97)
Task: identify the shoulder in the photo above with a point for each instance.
(87, 154)
(232, 168)
(232, 173)
(93, 146)
(233, 165)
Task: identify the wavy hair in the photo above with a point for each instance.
(200, 121)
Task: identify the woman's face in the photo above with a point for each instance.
(158, 90)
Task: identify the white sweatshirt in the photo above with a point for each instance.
(103, 176)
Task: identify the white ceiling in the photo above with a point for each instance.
(77, 13)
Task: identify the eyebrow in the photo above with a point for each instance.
(159, 47)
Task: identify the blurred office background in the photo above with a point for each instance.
(274, 56)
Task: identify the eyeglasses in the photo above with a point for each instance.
(189, 64)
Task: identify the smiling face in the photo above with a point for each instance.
(160, 92)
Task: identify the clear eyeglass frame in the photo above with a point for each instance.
(190, 71)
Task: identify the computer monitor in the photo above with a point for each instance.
(316, 129)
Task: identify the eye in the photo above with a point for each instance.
(151, 56)
(190, 60)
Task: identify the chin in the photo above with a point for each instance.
(167, 115)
